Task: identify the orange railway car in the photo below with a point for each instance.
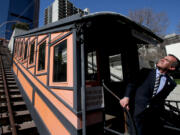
(60, 68)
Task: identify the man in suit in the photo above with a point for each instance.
(148, 94)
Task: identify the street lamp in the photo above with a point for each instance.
(8, 22)
(12, 21)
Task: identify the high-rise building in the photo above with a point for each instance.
(59, 9)
(48, 15)
(13, 11)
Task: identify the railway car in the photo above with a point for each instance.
(61, 67)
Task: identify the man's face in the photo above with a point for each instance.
(166, 62)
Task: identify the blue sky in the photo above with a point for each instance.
(170, 7)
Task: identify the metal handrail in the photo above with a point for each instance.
(173, 101)
(127, 113)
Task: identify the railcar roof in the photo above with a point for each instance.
(78, 18)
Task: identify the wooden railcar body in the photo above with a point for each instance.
(74, 103)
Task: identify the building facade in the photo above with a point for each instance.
(172, 44)
(26, 11)
(59, 9)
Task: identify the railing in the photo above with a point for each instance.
(173, 105)
(171, 115)
(129, 122)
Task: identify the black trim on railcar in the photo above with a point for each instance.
(48, 62)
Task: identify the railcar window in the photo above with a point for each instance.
(21, 49)
(116, 72)
(91, 72)
(17, 46)
(60, 62)
(41, 58)
(25, 51)
(32, 53)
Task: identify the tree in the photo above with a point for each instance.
(156, 22)
(21, 25)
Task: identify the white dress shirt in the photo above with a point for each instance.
(162, 81)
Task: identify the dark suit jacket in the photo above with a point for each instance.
(143, 87)
(145, 107)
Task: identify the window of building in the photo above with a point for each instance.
(115, 65)
(60, 62)
(32, 53)
(25, 51)
(41, 58)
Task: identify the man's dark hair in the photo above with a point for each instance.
(177, 63)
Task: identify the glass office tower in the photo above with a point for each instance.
(26, 11)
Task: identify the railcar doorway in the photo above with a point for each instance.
(111, 62)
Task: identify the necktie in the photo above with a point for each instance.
(157, 83)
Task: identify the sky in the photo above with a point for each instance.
(170, 7)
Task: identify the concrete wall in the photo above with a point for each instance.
(150, 54)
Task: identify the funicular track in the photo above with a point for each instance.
(15, 118)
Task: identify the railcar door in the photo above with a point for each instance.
(112, 59)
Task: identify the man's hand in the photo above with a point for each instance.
(125, 102)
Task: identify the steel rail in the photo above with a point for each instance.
(10, 112)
